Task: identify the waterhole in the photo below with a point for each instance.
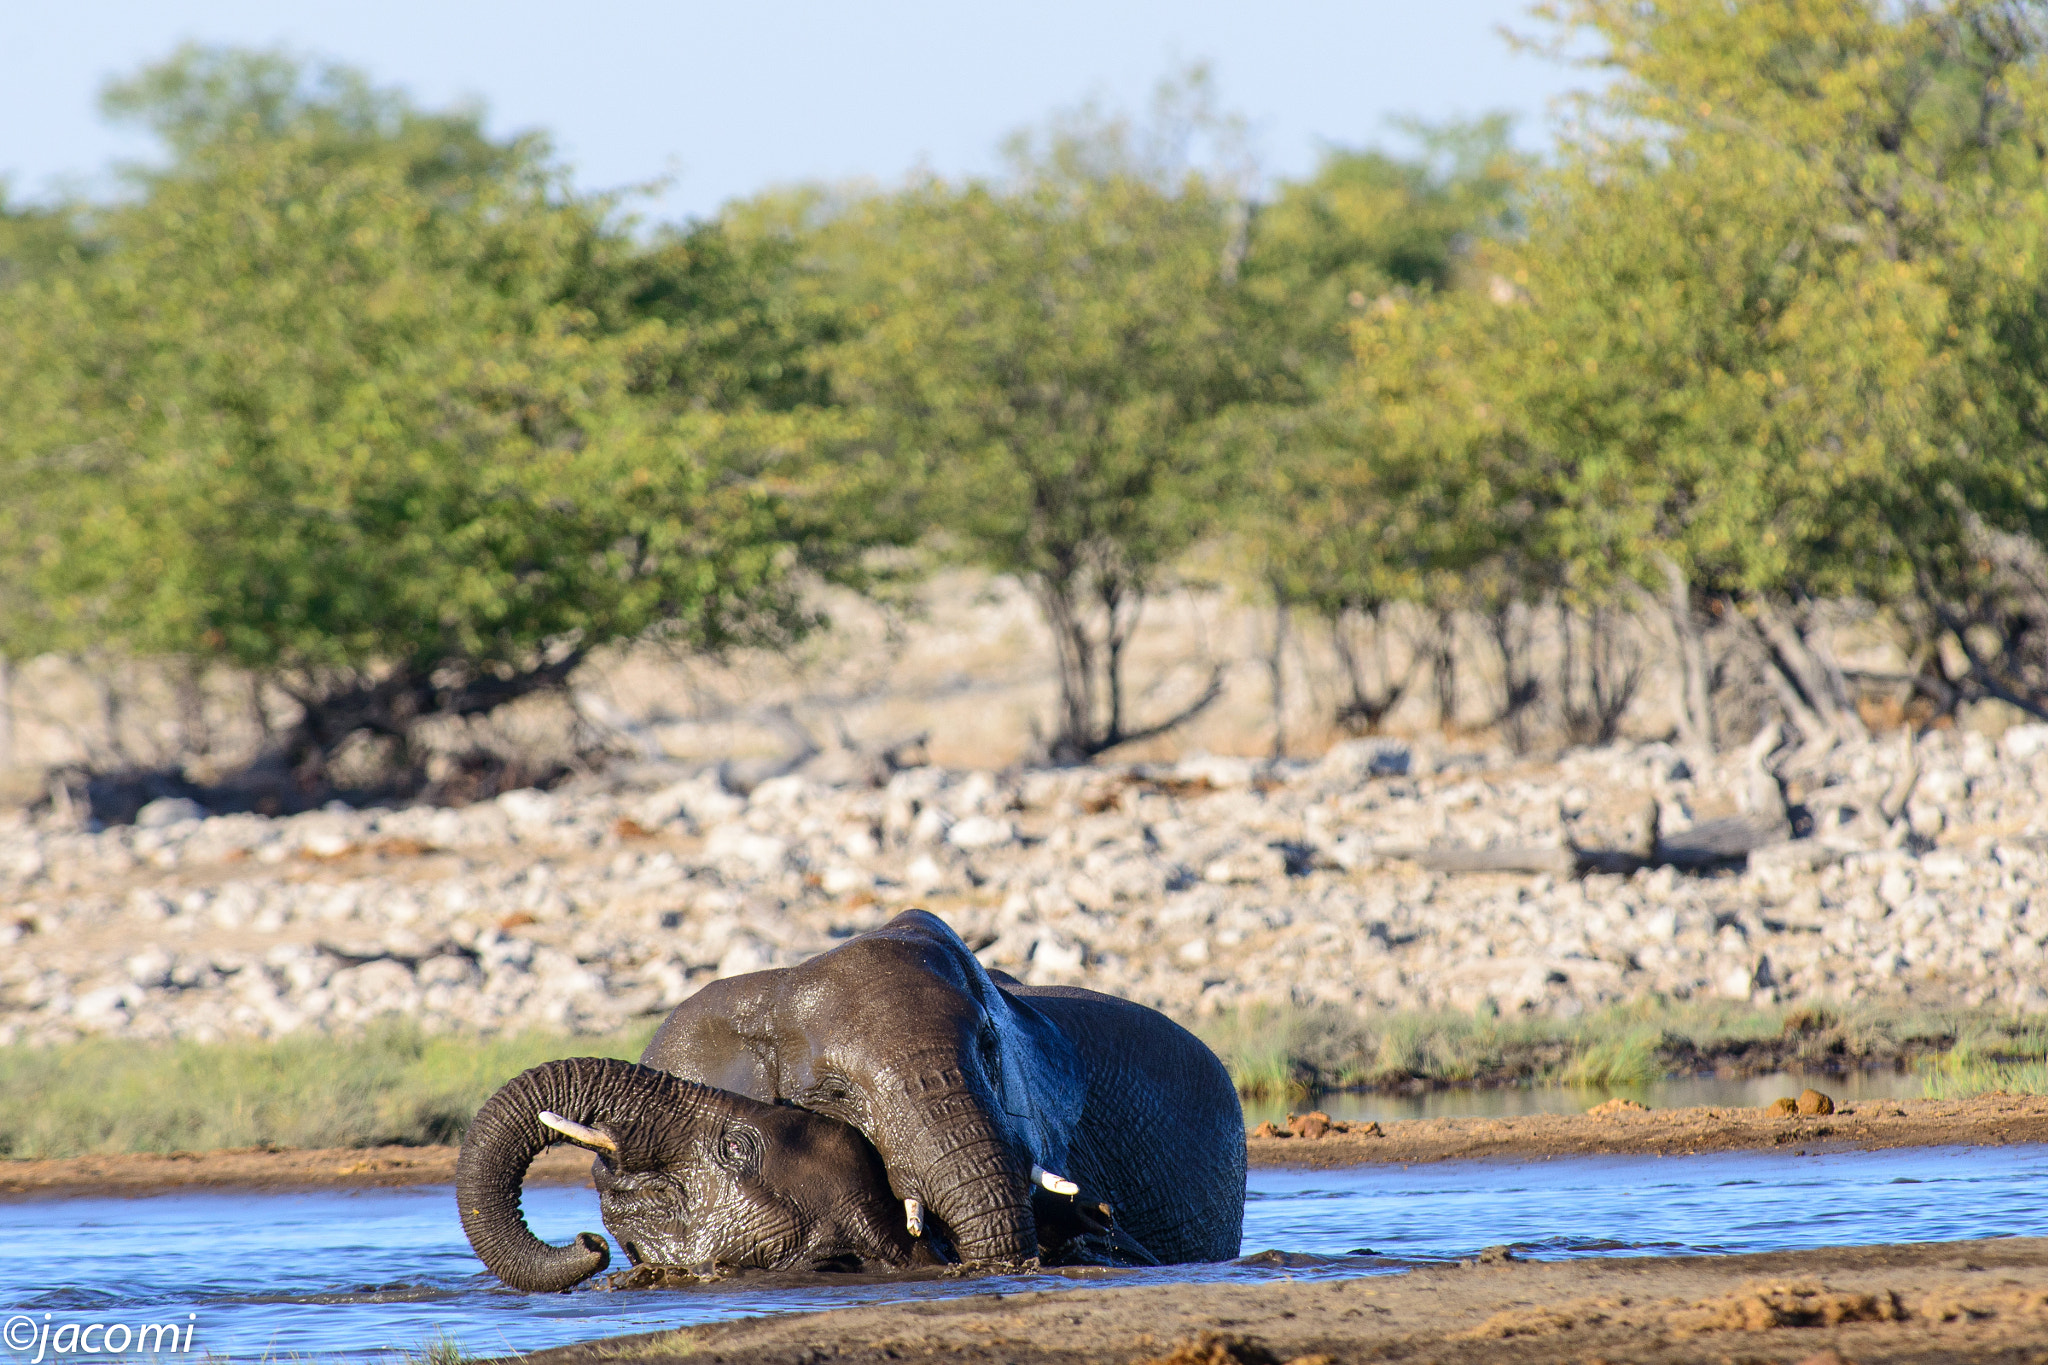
(357, 1275)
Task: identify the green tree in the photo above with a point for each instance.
(1344, 514)
(1746, 349)
(1044, 356)
(1761, 289)
(370, 403)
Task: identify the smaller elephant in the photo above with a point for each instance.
(687, 1175)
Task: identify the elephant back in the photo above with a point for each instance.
(1161, 1134)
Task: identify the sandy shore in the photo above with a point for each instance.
(1957, 1301)
(1985, 1120)
(253, 1168)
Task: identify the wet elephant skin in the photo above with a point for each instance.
(965, 1080)
(687, 1176)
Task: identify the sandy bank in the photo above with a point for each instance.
(1959, 1301)
(1982, 1120)
(254, 1168)
(1985, 1120)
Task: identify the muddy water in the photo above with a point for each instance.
(352, 1275)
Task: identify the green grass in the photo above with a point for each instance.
(1278, 1052)
(2012, 1061)
(392, 1084)
(440, 1350)
(395, 1084)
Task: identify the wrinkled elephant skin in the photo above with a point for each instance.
(686, 1176)
(969, 1084)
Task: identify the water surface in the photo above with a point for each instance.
(357, 1274)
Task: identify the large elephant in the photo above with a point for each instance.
(1002, 1117)
(686, 1176)
(979, 1091)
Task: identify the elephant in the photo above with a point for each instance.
(995, 1121)
(984, 1096)
(686, 1176)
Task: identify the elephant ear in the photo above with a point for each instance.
(1044, 1079)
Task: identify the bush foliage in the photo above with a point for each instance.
(351, 394)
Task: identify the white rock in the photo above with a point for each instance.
(100, 1006)
(1356, 759)
(1246, 865)
(924, 874)
(745, 954)
(981, 831)
(328, 843)
(841, 880)
(1217, 770)
(786, 793)
(2023, 742)
(1054, 954)
(150, 967)
(738, 843)
(169, 810)
(930, 826)
(527, 807)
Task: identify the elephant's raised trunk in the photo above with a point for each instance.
(508, 1133)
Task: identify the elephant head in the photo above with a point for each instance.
(686, 1176)
(970, 1095)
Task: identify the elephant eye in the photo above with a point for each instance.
(990, 1043)
(739, 1150)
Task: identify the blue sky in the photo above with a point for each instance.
(728, 99)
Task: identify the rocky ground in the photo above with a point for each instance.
(1191, 887)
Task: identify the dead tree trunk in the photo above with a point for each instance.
(1802, 673)
(1443, 666)
(1276, 674)
(1610, 665)
(1696, 698)
(1509, 625)
(1092, 623)
(1371, 699)
(188, 683)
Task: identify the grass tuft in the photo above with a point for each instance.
(438, 1350)
(2012, 1061)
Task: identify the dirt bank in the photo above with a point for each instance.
(1986, 1120)
(1983, 1120)
(1957, 1301)
(260, 1169)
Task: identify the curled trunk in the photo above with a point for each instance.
(507, 1135)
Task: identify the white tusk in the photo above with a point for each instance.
(577, 1133)
(1058, 1184)
(913, 1216)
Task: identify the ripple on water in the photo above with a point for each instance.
(337, 1274)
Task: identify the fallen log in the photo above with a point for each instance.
(1708, 846)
